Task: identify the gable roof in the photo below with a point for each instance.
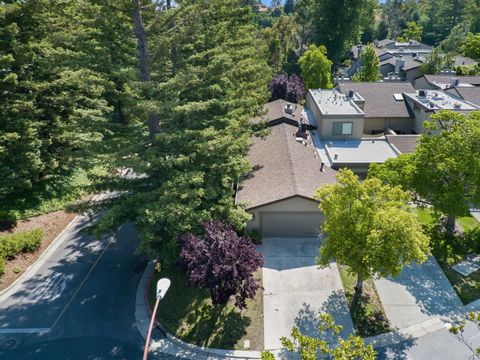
(460, 60)
(275, 113)
(384, 42)
(379, 100)
(471, 94)
(282, 168)
(404, 143)
(446, 79)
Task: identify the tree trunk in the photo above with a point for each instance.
(450, 224)
(359, 286)
(142, 46)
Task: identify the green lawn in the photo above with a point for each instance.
(450, 250)
(425, 216)
(368, 316)
(188, 314)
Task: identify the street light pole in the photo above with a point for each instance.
(162, 288)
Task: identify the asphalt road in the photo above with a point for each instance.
(80, 304)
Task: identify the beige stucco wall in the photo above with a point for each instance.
(324, 123)
(295, 204)
(380, 124)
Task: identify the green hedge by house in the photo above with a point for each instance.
(12, 245)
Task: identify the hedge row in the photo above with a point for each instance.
(12, 245)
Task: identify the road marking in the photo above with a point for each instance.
(110, 240)
(24, 330)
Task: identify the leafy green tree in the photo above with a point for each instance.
(281, 40)
(338, 25)
(413, 31)
(435, 62)
(370, 227)
(309, 348)
(448, 164)
(471, 46)
(370, 70)
(399, 171)
(316, 68)
(304, 20)
(289, 6)
(53, 112)
(187, 173)
(459, 331)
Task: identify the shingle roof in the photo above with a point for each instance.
(275, 112)
(384, 42)
(379, 100)
(460, 60)
(411, 64)
(404, 143)
(471, 94)
(282, 168)
(446, 79)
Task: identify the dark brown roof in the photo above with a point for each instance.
(275, 113)
(379, 100)
(404, 143)
(471, 94)
(282, 168)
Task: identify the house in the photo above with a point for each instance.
(410, 48)
(470, 94)
(424, 103)
(444, 81)
(281, 111)
(339, 119)
(403, 144)
(460, 60)
(383, 105)
(279, 191)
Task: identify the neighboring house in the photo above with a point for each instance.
(460, 60)
(334, 115)
(444, 81)
(340, 121)
(383, 105)
(403, 144)
(424, 103)
(281, 111)
(279, 191)
(410, 48)
(471, 94)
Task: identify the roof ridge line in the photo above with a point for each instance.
(291, 162)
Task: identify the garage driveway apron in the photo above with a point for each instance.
(420, 293)
(295, 290)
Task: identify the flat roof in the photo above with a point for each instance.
(333, 102)
(363, 151)
(441, 100)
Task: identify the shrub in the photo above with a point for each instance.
(8, 219)
(255, 236)
(2, 265)
(267, 355)
(25, 241)
(223, 262)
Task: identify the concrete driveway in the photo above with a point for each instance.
(295, 290)
(420, 293)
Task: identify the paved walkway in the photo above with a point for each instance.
(419, 294)
(295, 290)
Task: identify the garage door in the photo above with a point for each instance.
(301, 224)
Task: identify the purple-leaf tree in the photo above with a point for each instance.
(286, 87)
(223, 262)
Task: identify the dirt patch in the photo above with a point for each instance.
(52, 225)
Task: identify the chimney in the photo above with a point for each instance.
(399, 64)
(289, 108)
(322, 166)
(454, 82)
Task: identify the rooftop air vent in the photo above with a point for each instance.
(289, 108)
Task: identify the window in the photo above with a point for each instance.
(342, 128)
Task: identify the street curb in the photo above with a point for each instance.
(42, 259)
(172, 345)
